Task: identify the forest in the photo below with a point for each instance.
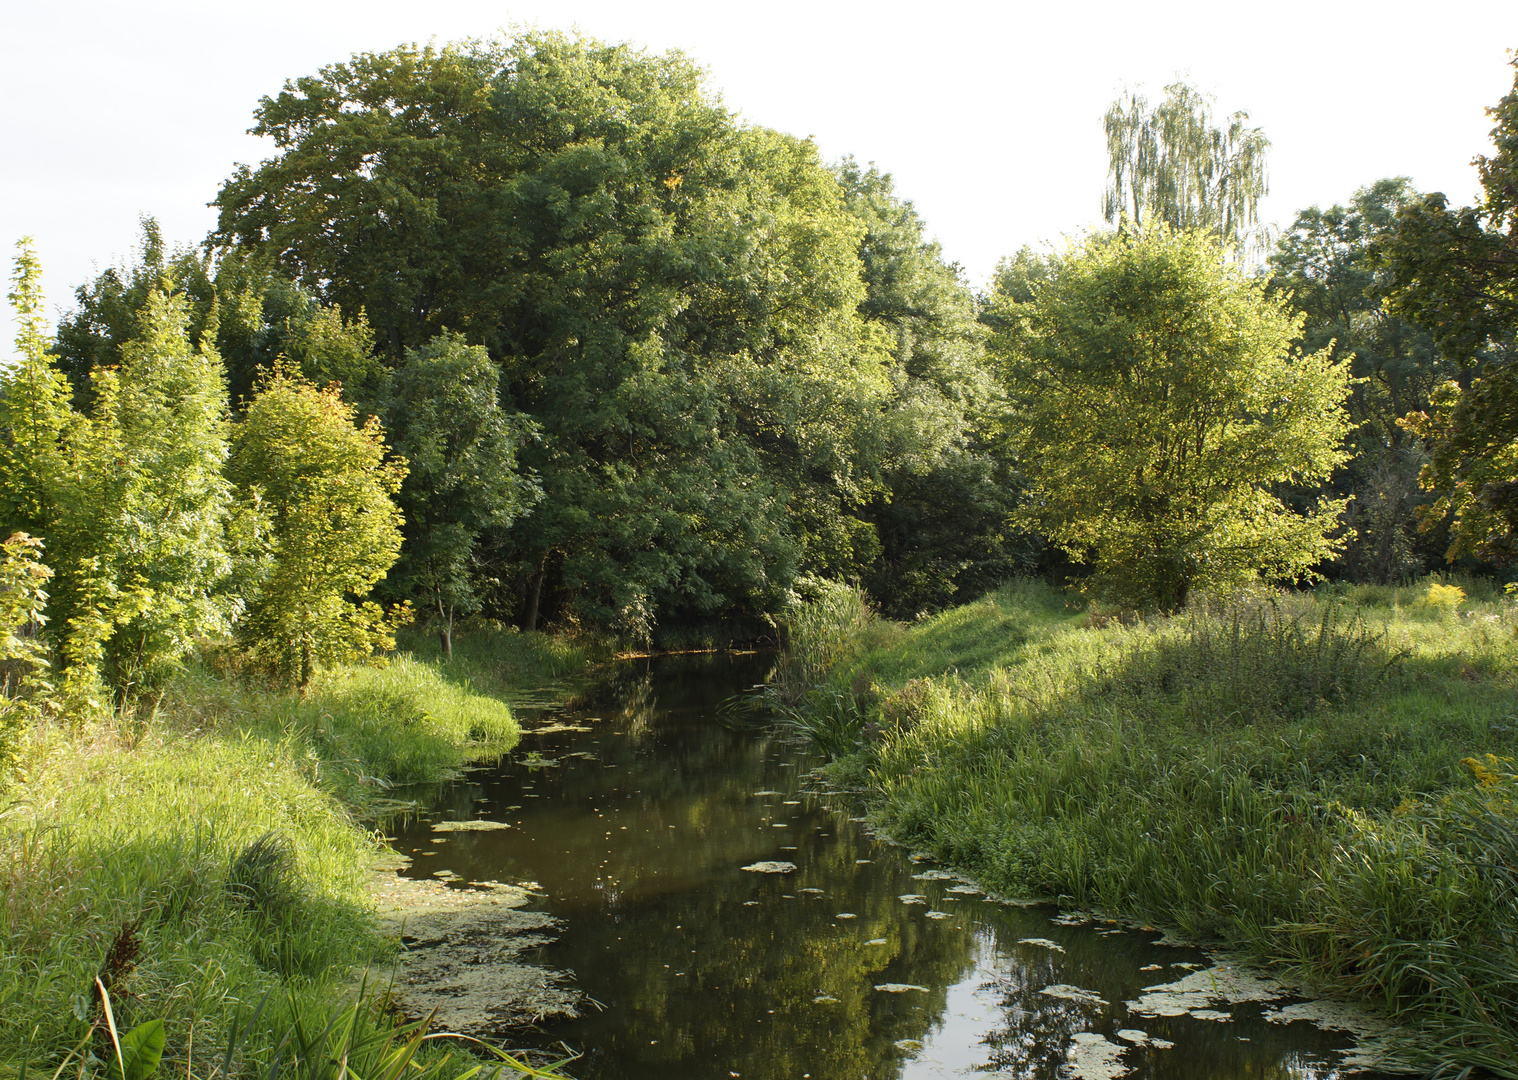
(518, 353)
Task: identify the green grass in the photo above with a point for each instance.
(214, 858)
(1284, 773)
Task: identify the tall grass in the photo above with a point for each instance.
(214, 855)
(1302, 776)
(823, 636)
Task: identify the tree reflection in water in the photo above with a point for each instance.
(637, 830)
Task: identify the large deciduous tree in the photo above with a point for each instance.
(1173, 165)
(671, 295)
(1156, 402)
(1326, 264)
(1456, 273)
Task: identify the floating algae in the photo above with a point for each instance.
(1073, 993)
(771, 867)
(1095, 1057)
(899, 988)
(1042, 942)
(464, 950)
(468, 826)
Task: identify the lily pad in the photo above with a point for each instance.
(912, 898)
(845, 915)
(938, 915)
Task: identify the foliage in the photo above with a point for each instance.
(1454, 273)
(1326, 264)
(444, 419)
(141, 539)
(322, 488)
(1155, 402)
(1171, 165)
(130, 499)
(939, 515)
(671, 296)
(23, 655)
(34, 409)
(236, 304)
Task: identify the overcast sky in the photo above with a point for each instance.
(988, 116)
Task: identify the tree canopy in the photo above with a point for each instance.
(1456, 273)
(1172, 164)
(1156, 402)
(672, 296)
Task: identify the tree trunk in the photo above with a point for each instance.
(445, 627)
(535, 595)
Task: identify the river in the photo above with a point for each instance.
(633, 818)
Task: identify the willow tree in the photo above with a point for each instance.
(1172, 164)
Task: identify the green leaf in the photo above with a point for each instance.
(142, 1049)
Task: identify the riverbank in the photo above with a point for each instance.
(211, 864)
(1322, 781)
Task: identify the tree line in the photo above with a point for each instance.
(537, 329)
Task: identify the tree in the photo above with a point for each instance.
(323, 489)
(1326, 264)
(1456, 273)
(460, 446)
(1171, 165)
(938, 514)
(35, 413)
(1156, 402)
(237, 303)
(139, 536)
(130, 499)
(671, 296)
(24, 687)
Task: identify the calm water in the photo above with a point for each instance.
(636, 830)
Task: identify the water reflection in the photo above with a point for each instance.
(634, 817)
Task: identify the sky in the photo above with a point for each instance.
(987, 115)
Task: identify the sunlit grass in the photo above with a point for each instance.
(1283, 773)
(213, 856)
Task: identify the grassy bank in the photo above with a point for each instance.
(1322, 780)
(210, 863)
